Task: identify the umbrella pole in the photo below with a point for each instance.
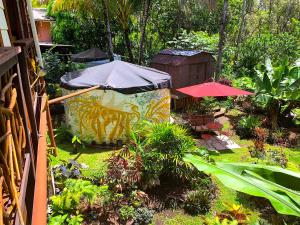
(59, 99)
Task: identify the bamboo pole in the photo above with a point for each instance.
(56, 100)
(14, 189)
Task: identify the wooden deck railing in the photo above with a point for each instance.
(24, 122)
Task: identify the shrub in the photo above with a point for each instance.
(165, 147)
(277, 137)
(143, 216)
(197, 202)
(74, 191)
(126, 212)
(66, 170)
(259, 143)
(54, 66)
(124, 170)
(245, 127)
(63, 134)
(277, 157)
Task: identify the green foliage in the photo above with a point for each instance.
(65, 219)
(58, 220)
(126, 212)
(143, 216)
(198, 201)
(296, 118)
(279, 186)
(54, 66)
(199, 40)
(246, 125)
(74, 191)
(245, 83)
(276, 86)
(75, 220)
(167, 138)
(77, 143)
(66, 170)
(63, 134)
(257, 48)
(277, 157)
(166, 144)
(79, 26)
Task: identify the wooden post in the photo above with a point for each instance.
(50, 129)
(39, 213)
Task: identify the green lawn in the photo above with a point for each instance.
(94, 157)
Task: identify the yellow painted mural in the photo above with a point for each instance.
(108, 116)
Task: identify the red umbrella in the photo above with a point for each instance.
(212, 89)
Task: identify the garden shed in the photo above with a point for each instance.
(185, 66)
(127, 94)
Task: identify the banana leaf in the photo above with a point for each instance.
(280, 186)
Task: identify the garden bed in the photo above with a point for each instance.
(168, 198)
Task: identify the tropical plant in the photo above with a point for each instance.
(124, 170)
(126, 212)
(197, 201)
(276, 86)
(277, 157)
(124, 9)
(77, 143)
(257, 47)
(74, 191)
(58, 220)
(258, 150)
(63, 134)
(54, 66)
(245, 83)
(234, 215)
(280, 186)
(246, 125)
(66, 170)
(143, 216)
(296, 118)
(165, 147)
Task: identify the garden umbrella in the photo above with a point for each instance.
(212, 89)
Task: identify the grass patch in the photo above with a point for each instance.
(94, 157)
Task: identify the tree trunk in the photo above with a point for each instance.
(273, 113)
(221, 39)
(287, 15)
(108, 31)
(128, 45)
(147, 4)
(270, 13)
(241, 29)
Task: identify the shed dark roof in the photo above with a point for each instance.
(92, 54)
(178, 52)
(177, 57)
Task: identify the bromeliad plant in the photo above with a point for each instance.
(277, 87)
(280, 186)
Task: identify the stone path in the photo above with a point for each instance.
(219, 142)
